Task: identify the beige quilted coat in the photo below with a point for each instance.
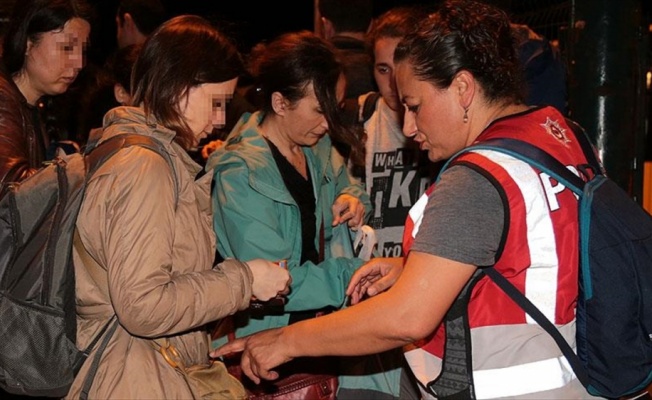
(153, 266)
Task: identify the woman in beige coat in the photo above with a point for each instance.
(148, 242)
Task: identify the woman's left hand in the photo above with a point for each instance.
(347, 208)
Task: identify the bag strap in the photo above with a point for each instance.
(88, 381)
(369, 106)
(543, 161)
(523, 302)
(587, 147)
(534, 156)
(539, 158)
(455, 381)
(96, 155)
(353, 113)
(90, 376)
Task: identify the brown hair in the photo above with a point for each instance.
(183, 52)
(289, 64)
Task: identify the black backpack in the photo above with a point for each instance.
(614, 307)
(38, 355)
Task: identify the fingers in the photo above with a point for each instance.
(285, 290)
(249, 368)
(388, 279)
(362, 279)
(262, 373)
(205, 153)
(374, 277)
(245, 364)
(356, 217)
(269, 279)
(210, 147)
(348, 208)
(233, 346)
(353, 283)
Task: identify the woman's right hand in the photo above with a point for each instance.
(270, 279)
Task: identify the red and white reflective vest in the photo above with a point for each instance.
(511, 354)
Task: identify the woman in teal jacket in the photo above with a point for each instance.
(272, 165)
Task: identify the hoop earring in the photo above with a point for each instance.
(465, 119)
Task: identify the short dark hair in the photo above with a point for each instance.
(290, 63)
(147, 14)
(30, 19)
(347, 15)
(466, 35)
(169, 65)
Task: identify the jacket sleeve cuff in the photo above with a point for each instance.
(240, 279)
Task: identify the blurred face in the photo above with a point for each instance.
(384, 71)
(53, 62)
(432, 115)
(205, 106)
(305, 122)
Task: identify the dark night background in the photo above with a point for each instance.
(249, 22)
(246, 21)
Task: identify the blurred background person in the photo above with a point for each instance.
(545, 71)
(111, 88)
(137, 19)
(42, 54)
(345, 23)
(133, 21)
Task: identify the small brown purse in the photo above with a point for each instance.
(211, 381)
(300, 379)
(293, 386)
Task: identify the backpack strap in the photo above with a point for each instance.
(369, 106)
(545, 162)
(352, 113)
(587, 147)
(88, 381)
(532, 310)
(98, 154)
(455, 382)
(90, 376)
(534, 156)
(94, 157)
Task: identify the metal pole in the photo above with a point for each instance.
(607, 84)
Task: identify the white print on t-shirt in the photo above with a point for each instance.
(396, 183)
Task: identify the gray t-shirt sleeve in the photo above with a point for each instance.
(463, 220)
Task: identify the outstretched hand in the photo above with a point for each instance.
(260, 353)
(374, 277)
(350, 209)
